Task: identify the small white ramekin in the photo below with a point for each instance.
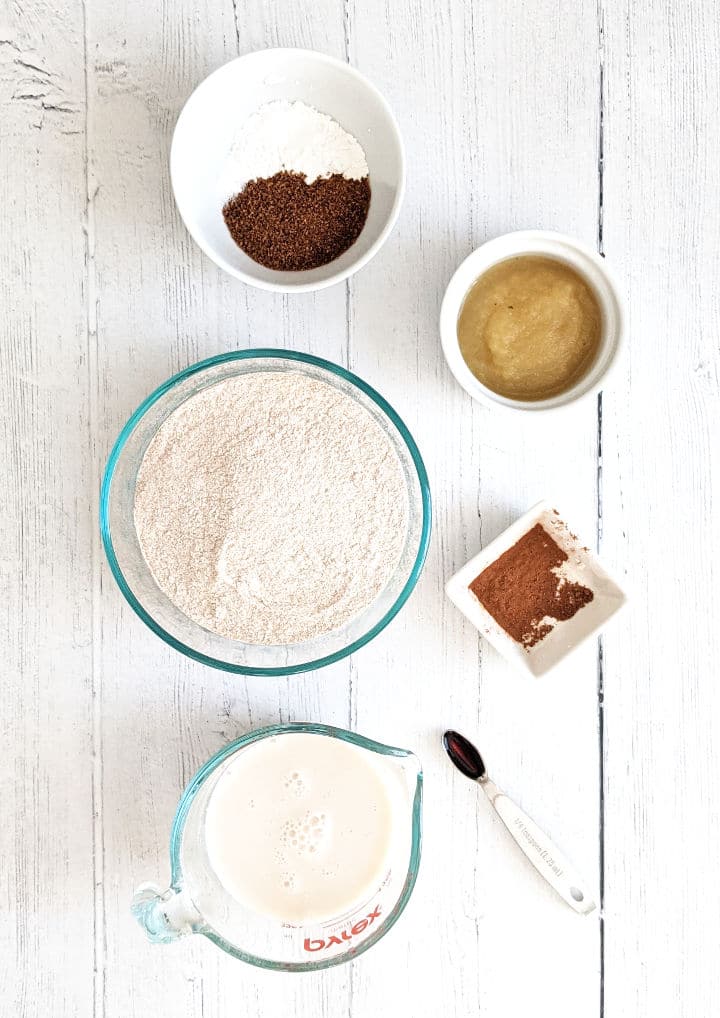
(591, 267)
(208, 127)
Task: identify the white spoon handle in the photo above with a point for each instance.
(540, 850)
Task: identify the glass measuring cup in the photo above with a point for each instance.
(196, 901)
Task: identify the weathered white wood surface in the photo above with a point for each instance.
(661, 498)
(504, 107)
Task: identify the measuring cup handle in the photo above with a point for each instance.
(164, 915)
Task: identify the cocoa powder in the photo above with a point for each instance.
(284, 223)
(522, 588)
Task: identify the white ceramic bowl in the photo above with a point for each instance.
(586, 262)
(582, 567)
(209, 124)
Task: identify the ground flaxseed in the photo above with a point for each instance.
(284, 223)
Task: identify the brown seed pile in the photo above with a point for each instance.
(522, 587)
(284, 223)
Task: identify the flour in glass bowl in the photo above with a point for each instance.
(271, 508)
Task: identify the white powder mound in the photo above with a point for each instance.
(271, 508)
(292, 137)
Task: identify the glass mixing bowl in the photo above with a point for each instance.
(137, 583)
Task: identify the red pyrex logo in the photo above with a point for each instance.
(362, 924)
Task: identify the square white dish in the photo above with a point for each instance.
(582, 566)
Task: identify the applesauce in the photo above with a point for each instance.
(529, 328)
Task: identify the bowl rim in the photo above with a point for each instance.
(262, 353)
(359, 263)
(516, 243)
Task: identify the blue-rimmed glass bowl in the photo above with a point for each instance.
(137, 583)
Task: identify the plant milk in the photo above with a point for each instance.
(300, 827)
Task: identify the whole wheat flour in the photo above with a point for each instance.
(271, 508)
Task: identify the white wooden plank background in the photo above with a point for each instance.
(596, 118)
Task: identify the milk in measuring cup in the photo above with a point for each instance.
(300, 827)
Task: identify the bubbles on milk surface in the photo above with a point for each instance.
(288, 880)
(305, 835)
(295, 784)
(299, 827)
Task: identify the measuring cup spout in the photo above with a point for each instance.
(410, 768)
(164, 915)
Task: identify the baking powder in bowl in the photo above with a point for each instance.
(271, 508)
(291, 137)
